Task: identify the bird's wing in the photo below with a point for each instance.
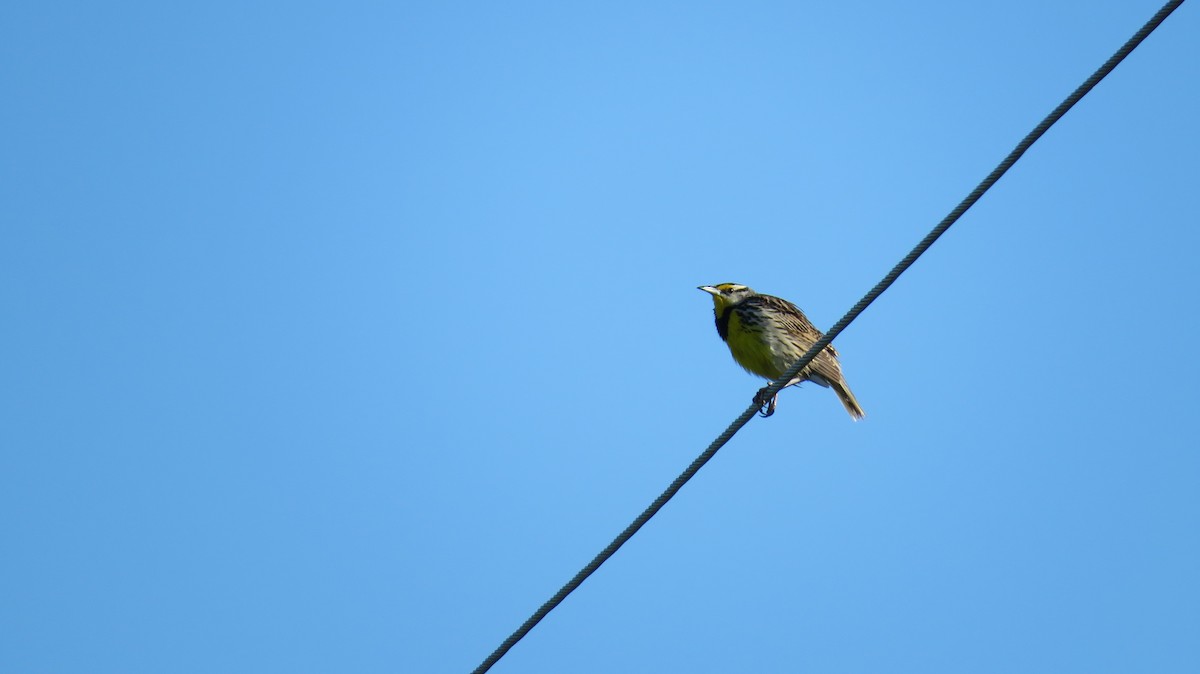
(794, 320)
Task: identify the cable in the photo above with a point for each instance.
(837, 328)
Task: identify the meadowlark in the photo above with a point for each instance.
(767, 335)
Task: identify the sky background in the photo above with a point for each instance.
(338, 336)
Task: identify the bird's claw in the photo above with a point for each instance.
(766, 405)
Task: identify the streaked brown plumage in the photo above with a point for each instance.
(767, 334)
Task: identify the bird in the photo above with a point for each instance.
(767, 335)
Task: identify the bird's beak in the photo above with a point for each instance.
(710, 290)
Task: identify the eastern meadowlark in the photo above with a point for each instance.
(767, 335)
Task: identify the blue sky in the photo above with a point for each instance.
(339, 335)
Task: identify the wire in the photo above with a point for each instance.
(837, 328)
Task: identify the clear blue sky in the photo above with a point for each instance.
(337, 336)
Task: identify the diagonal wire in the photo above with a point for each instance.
(833, 332)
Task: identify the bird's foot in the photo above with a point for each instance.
(766, 405)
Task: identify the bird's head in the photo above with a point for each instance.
(727, 294)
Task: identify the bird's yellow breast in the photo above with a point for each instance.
(751, 349)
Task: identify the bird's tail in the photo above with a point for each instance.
(848, 400)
